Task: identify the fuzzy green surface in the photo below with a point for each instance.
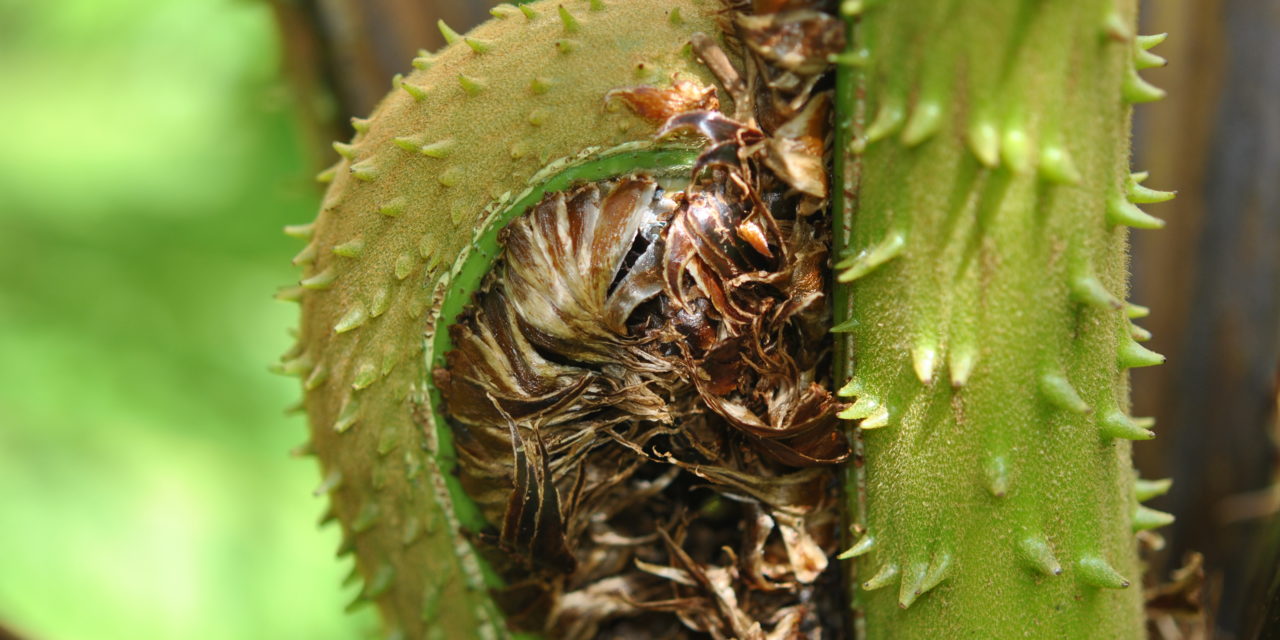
(989, 470)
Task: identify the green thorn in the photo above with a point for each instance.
(1135, 311)
(404, 266)
(846, 326)
(393, 208)
(320, 280)
(864, 407)
(912, 584)
(996, 473)
(1117, 425)
(674, 17)
(365, 375)
(349, 249)
(1138, 177)
(528, 11)
(347, 416)
(352, 319)
(854, 59)
(597, 5)
(865, 261)
(450, 36)
(502, 11)
(876, 420)
(570, 23)
(300, 231)
(331, 481)
(883, 578)
(346, 546)
(422, 63)
(296, 367)
(924, 359)
(290, 294)
(1016, 151)
(345, 150)
(450, 177)
(306, 256)
(381, 582)
(360, 125)
(1146, 519)
(1057, 389)
(541, 85)
(984, 142)
(1117, 28)
(924, 122)
(1147, 42)
(851, 389)
(1134, 355)
(1136, 90)
(538, 117)
(851, 8)
(388, 440)
(407, 143)
(1121, 211)
(938, 571)
(565, 45)
(864, 544)
(366, 518)
(478, 46)
(1145, 423)
(1142, 195)
(1087, 289)
(1144, 490)
(317, 378)
(1143, 59)
(1057, 166)
(1035, 551)
(381, 300)
(961, 360)
(327, 176)
(417, 93)
(473, 86)
(327, 517)
(888, 119)
(352, 576)
(1095, 571)
(440, 149)
(1138, 333)
(364, 171)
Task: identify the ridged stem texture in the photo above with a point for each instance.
(986, 205)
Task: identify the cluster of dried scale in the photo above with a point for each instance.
(640, 392)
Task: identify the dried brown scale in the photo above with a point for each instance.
(639, 394)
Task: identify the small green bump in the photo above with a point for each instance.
(364, 171)
(1121, 211)
(887, 120)
(1136, 311)
(393, 208)
(404, 266)
(520, 149)
(866, 261)
(565, 45)
(366, 374)
(1146, 519)
(300, 231)
(883, 578)
(1142, 195)
(296, 367)
(354, 318)
(290, 294)
(1116, 27)
(346, 546)
(912, 584)
(1143, 59)
(1147, 42)
(451, 177)
(345, 150)
(528, 11)
(426, 246)
(388, 440)
(317, 378)
(306, 256)
(478, 46)
(407, 143)
(597, 5)
(924, 122)
(961, 360)
(331, 481)
(864, 407)
(1117, 425)
(360, 125)
(984, 142)
(846, 326)
(851, 389)
(876, 420)
(450, 36)
(938, 571)
(1034, 550)
(439, 149)
(349, 249)
(1057, 166)
(1144, 490)
(1057, 389)
(924, 359)
(353, 576)
(348, 415)
(473, 86)
(1134, 355)
(864, 544)
(327, 517)
(1016, 150)
(538, 116)
(854, 59)
(1095, 571)
(851, 8)
(367, 517)
(327, 176)
(541, 85)
(995, 471)
(320, 280)
(1138, 333)
(1087, 289)
(381, 581)
(381, 301)
(1136, 90)
(674, 17)
(422, 63)
(418, 93)
(571, 24)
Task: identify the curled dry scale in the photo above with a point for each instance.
(640, 392)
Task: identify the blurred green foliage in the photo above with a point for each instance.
(145, 487)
